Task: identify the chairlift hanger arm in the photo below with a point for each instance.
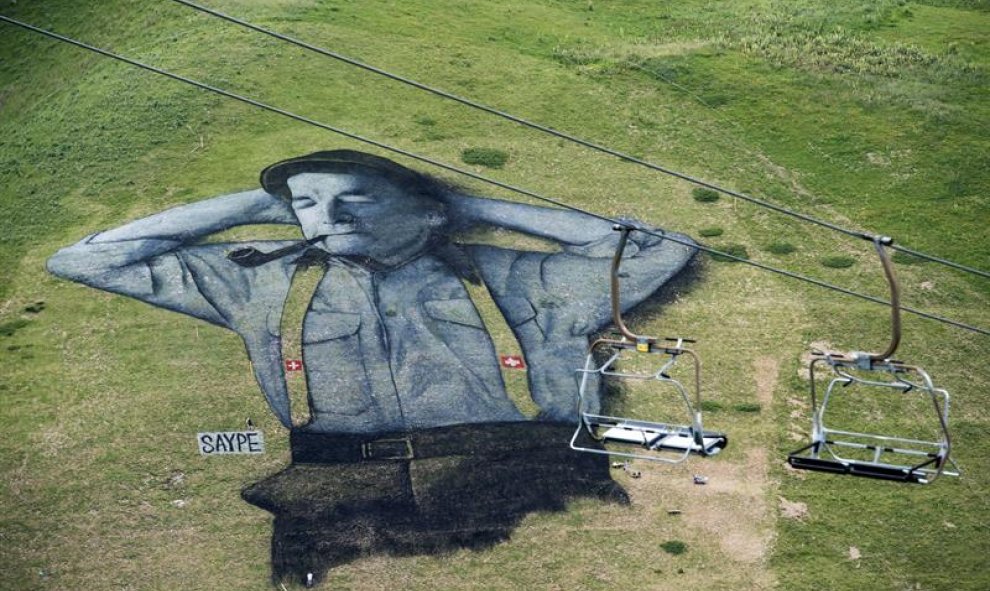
(895, 298)
(615, 290)
(880, 243)
(614, 287)
(642, 343)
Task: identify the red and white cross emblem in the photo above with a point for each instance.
(512, 361)
(293, 365)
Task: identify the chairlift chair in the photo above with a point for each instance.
(647, 440)
(886, 457)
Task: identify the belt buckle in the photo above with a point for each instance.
(387, 449)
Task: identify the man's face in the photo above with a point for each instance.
(362, 215)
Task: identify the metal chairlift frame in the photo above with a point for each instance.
(823, 453)
(654, 436)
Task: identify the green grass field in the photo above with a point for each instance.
(873, 115)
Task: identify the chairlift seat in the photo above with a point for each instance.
(895, 458)
(660, 436)
(913, 474)
(638, 439)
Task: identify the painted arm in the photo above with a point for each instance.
(157, 260)
(553, 302)
(147, 238)
(578, 276)
(149, 259)
(569, 228)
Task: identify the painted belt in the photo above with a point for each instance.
(473, 439)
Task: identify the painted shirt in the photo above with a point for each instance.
(400, 349)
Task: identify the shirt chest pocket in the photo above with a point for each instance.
(335, 369)
(458, 312)
(457, 324)
(517, 311)
(328, 326)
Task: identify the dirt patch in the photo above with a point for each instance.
(52, 440)
(732, 506)
(765, 369)
(788, 176)
(877, 159)
(793, 509)
(803, 372)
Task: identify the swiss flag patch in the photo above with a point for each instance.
(293, 365)
(512, 361)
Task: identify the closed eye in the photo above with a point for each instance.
(302, 202)
(355, 198)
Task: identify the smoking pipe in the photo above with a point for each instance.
(252, 257)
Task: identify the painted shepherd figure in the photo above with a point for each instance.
(393, 345)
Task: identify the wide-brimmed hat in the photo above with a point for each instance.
(274, 179)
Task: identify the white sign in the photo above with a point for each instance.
(231, 442)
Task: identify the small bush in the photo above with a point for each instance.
(736, 250)
(710, 406)
(7, 329)
(747, 407)
(839, 261)
(710, 232)
(35, 308)
(487, 157)
(426, 121)
(704, 195)
(674, 547)
(778, 247)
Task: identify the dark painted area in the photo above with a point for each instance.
(465, 486)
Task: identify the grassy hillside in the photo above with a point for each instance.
(869, 114)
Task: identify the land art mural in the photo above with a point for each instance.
(412, 443)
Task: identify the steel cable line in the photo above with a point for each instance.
(506, 186)
(572, 138)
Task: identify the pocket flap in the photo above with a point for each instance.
(516, 310)
(324, 326)
(458, 311)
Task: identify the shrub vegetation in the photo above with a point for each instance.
(704, 195)
(487, 157)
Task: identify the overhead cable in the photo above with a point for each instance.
(473, 175)
(572, 138)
